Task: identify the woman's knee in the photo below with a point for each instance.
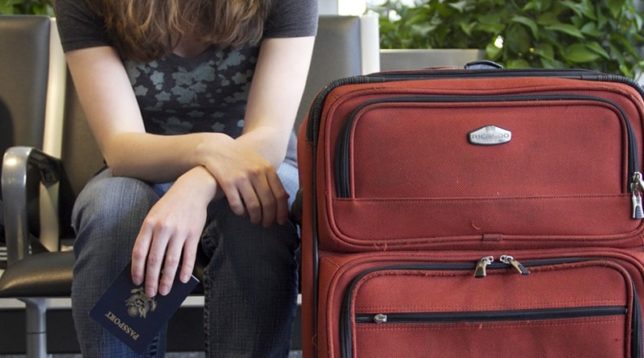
(112, 198)
(111, 206)
(252, 249)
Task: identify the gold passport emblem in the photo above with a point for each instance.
(138, 305)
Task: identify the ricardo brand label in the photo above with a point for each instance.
(490, 135)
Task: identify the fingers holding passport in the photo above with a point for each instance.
(166, 245)
(161, 251)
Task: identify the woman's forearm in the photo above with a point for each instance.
(269, 142)
(157, 158)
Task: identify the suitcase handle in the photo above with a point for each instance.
(483, 65)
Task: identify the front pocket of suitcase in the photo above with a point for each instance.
(579, 308)
(562, 169)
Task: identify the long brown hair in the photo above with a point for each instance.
(144, 30)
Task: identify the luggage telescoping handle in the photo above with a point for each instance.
(483, 65)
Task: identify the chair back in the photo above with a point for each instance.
(24, 71)
(80, 156)
(337, 53)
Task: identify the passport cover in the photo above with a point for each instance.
(128, 314)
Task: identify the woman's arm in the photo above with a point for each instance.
(114, 117)
(275, 95)
(245, 169)
(170, 233)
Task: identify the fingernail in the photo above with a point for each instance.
(185, 278)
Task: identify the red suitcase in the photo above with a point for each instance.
(456, 213)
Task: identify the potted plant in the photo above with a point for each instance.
(419, 36)
(600, 35)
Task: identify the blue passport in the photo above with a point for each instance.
(127, 313)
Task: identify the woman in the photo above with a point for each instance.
(192, 104)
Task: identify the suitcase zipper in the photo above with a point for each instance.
(342, 175)
(480, 267)
(491, 316)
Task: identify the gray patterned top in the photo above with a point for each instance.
(206, 93)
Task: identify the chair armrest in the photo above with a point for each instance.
(23, 170)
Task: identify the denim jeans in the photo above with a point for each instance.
(250, 278)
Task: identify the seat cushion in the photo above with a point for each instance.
(41, 275)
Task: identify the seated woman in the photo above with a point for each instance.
(192, 103)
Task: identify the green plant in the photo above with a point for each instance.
(35, 7)
(601, 35)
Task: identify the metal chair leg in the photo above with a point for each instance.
(36, 310)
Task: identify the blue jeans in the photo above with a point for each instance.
(250, 278)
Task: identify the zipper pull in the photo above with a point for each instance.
(509, 260)
(380, 318)
(637, 187)
(481, 266)
(638, 211)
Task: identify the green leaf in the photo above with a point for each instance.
(545, 51)
(492, 52)
(590, 29)
(490, 23)
(459, 6)
(638, 21)
(467, 27)
(517, 39)
(616, 53)
(579, 53)
(625, 70)
(7, 7)
(588, 9)
(520, 63)
(602, 20)
(531, 24)
(552, 63)
(532, 5)
(547, 19)
(577, 8)
(581, 9)
(596, 47)
(567, 29)
(615, 7)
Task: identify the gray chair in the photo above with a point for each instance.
(32, 85)
(337, 53)
(35, 277)
(22, 103)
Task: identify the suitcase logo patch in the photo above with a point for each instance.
(490, 135)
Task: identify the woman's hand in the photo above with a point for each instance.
(171, 231)
(248, 180)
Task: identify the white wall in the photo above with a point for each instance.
(342, 7)
(328, 7)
